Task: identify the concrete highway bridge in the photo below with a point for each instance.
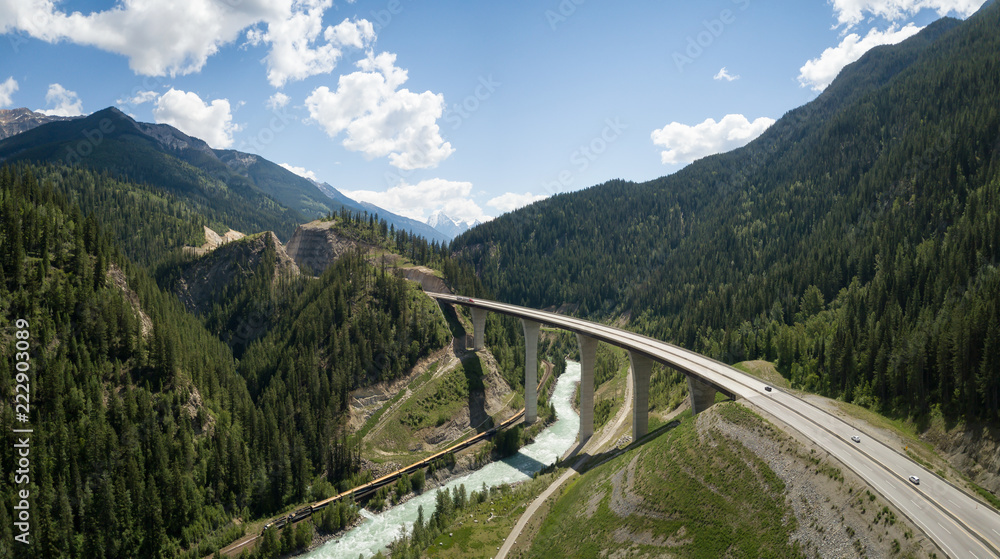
(959, 523)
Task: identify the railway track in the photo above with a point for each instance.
(367, 489)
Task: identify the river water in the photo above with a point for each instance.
(379, 530)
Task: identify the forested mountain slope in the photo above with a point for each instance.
(222, 185)
(152, 439)
(855, 242)
(139, 446)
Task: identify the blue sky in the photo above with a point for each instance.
(469, 107)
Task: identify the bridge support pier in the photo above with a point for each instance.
(588, 356)
(530, 370)
(478, 327)
(702, 395)
(642, 366)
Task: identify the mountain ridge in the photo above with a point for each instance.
(88, 139)
(15, 121)
(853, 242)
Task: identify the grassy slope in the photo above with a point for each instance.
(434, 401)
(482, 528)
(679, 493)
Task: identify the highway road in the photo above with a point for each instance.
(960, 524)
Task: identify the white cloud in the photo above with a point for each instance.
(357, 34)
(685, 144)
(157, 36)
(852, 12)
(7, 90)
(67, 103)
(511, 201)
(300, 171)
(419, 201)
(818, 73)
(295, 54)
(139, 98)
(724, 75)
(185, 111)
(379, 118)
(164, 37)
(277, 101)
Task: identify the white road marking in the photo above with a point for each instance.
(943, 528)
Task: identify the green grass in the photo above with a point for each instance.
(482, 528)
(690, 496)
(765, 371)
(374, 419)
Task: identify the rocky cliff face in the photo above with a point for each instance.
(203, 281)
(316, 245)
(15, 121)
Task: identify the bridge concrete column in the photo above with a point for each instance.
(642, 366)
(702, 395)
(478, 328)
(588, 356)
(530, 370)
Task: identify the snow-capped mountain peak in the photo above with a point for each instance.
(449, 226)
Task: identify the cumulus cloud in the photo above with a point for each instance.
(296, 52)
(67, 103)
(379, 118)
(7, 90)
(357, 34)
(852, 12)
(419, 201)
(511, 201)
(685, 144)
(158, 37)
(300, 171)
(819, 72)
(164, 37)
(184, 110)
(139, 98)
(724, 75)
(277, 101)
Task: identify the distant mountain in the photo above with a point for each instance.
(448, 226)
(400, 222)
(15, 121)
(242, 191)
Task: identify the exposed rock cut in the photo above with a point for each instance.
(203, 280)
(317, 245)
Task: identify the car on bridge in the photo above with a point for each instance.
(856, 439)
(915, 480)
(767, 388)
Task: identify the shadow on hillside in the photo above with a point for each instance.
(478, 418)
(590, 461)
(454, 324)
